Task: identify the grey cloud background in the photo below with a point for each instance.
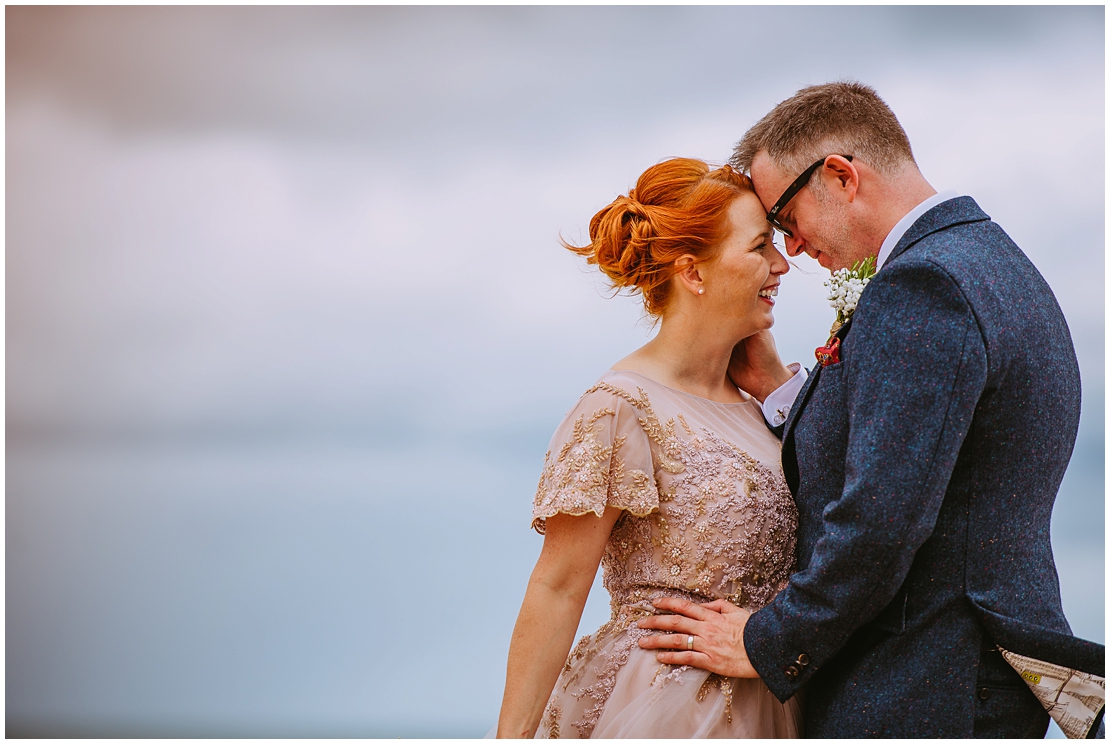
(288, 326)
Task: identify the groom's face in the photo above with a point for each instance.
(821, 227)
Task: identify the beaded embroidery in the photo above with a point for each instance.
(703, 521)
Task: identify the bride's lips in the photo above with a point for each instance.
(767, 294)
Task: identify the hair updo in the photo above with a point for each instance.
(678, 207)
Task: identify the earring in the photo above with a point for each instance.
(701, 291)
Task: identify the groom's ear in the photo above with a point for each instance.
(687, 273)
(841, 177)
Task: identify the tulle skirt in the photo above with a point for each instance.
(613, 689)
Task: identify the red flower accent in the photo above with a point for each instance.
(829, 353)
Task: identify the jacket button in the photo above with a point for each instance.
(791, 671)
(803, 659)
(984, 693)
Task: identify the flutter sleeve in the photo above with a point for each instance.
(600, 456)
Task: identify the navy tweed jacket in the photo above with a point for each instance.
(925, 465)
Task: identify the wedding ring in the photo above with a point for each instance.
(689, 643)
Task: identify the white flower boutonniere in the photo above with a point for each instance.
(845, 287)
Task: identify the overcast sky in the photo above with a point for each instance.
(339, 227)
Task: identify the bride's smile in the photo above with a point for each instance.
(667, 475)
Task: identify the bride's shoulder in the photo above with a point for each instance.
(623, 378)
(623, 384)
(614, 390)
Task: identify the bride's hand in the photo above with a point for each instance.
(717, 629)
(755, 366)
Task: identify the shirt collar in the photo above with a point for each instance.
(904, 224)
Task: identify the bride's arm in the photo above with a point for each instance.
(544, 632)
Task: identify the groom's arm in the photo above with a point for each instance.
(915, 372)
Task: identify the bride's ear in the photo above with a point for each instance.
(689, 275)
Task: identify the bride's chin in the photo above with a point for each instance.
(765, 322)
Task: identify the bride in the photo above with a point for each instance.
(665, 473)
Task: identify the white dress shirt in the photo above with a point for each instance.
(777, 405)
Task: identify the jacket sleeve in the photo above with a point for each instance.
(916, 366)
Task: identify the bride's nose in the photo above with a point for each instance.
(779, 264)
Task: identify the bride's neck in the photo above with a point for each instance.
(687, 358)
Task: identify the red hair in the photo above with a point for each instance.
(678, 207)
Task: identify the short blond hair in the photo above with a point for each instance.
(842, 118)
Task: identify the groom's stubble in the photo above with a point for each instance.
(832, 234)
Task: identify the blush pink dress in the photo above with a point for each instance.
(707, 515)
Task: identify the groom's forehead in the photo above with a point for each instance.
(765, 177)
(764, 195)
(765, 169)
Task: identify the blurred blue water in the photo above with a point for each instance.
(309, 589)
(276, 590)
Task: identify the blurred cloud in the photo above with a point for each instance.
(429, 75)
(233, 177)
(261, 261)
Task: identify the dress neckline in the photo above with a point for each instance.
(683, 392)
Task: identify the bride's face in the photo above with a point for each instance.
(742, 279)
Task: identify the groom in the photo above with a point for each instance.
(924, 452)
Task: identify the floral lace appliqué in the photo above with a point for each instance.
(589, 473)
(709, 522)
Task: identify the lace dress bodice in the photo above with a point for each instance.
(707, 516)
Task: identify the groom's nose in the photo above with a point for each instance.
(795, 246)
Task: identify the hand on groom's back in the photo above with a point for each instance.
(716, 627)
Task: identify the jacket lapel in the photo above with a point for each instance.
(958, 211)
(789, 455)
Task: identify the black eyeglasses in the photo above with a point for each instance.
(794, 188)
